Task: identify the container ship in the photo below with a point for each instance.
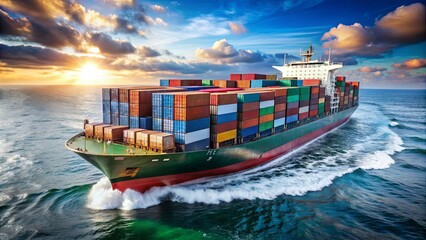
(186, 129)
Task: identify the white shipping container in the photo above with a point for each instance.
(304, 109)
(197, 135)
(223, 109)
(265, 104)
(279, 122)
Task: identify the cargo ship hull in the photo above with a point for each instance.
(142, 172)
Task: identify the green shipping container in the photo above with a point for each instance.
(206, 83)
(305, 90)
(285, 83)
(266, 111)
(248, 97)
(294, 98)
(340, 84)
(321, 108)
(292, 91)
(304, 97)
(266, 126)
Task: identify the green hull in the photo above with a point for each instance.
(143, 170)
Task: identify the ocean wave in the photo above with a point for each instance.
(393, 123)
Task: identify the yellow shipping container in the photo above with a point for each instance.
(271, 77)
(225, 136)
(142, 138)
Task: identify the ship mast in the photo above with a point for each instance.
(308, 54)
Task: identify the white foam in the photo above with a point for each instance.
(102, 196)
(376, 160)
(393, 124)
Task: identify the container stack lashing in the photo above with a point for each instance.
(223, 118)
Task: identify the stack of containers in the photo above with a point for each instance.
(347, 91)
(157, 112)
(185, 82)
(223, 117)
(327, 105)
(263, 83)
(106, 105)
(191, 120)
(321, 100)
(225, 83)
(115, 109)
(292, 111)
(168, 112)
(266, 113)
(314, 101)
(305, 93)
(351, 95)
(248, 115)
(356, 90)
(124, 108)
(279, 108)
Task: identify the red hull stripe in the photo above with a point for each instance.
(144, 184)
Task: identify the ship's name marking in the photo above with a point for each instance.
(211, 152)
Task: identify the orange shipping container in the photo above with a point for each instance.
(129, 135)
(89, 129)
(162, 141)
(191, 99)
(192, 113)
(243, 83)
(142, 138)
(114, 133)
(99, 130)
(280, 107)
(223, 98)
(266, 118)
(248, 123)
(244, 107)
(311, 82)
(225, 83)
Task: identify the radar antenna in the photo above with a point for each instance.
(308, 54)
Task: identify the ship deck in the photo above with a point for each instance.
(82, 144)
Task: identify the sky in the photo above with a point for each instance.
(381, 43)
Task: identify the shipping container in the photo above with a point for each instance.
(224, 136)
(245, 107)
(192, 113)
(311, 82)
(223, 98)
(114, 133)
(223, 109)
(247, 97)
(222, 118)
(106, 94)
(199, 145)
(235, 76)
(115, 119)
(266, 125)
(129, 135)
(164, 82)
(248, 123)
(242, 116)
(266, 118)
(291, 118)
(186, 138)
(106, 118)
(223, 127)
(142, 138)
(252, 76)
(145, 123)
(281, 114)
(161, 141)
(279, 122)
(225, 83)
(99, 130)
(248, 131)
(89, 129)
(133, 122)
(266, 111)
(124, 120)
(191, 126)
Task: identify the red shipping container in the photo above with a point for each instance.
(313, 113)
(314, 90)
(278, 91)
(218, 90)
(191, 99)
(322, 92)
(280, 107)
(192, 113)
(314, 101)
(235, 76)
(242, 116)
(248, 106)
(266, 118)
(223, 98)
(311, 82)
(292, 111)
(340, 78)
(303, 115)
(223, 127)
(279, 115)
(248, 123)
(355, 84)
(267, 96)
(252, 76)
(280, 99)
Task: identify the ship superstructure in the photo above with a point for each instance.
(314, 69)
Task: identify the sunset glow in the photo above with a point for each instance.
(134, 42)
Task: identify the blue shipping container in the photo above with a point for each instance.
(115, 107)
(134, 122)
(157, 99)
(266, 133)
(248, 131)
(106, 94)
(168, 100)
(157, 112)
(157, 124)
(124, 108)
(191, 126)
(115, 119)
(124, 120)
(168, 112)
(224, 118)
(107, 118)
(164, 82)
(106, 106)
(292, 118)
(168, 125)
(248, 97)
(145, 123)
(263, 83)
(200, 145)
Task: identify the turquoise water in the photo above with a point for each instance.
(365, 180)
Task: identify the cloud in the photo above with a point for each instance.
(411, 64)
(223, 52)
(37, 57)
(168, 53)
(11, 26)
(237, 28)
(207, 25)
(147, 52)
(366, 69)
(158, 8)
(107, 45)
(121, 3)
(405, 25)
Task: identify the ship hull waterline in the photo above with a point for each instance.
(142, 172)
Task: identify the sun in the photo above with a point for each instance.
(91, 74)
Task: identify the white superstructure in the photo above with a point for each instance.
(314, 69)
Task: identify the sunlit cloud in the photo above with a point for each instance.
(237, 28)
(411, 64)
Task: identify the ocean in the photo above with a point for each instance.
(364, 180)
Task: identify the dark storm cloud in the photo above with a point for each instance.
(36, 57)
(108, 45)
(10, 26)
(147, 52)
